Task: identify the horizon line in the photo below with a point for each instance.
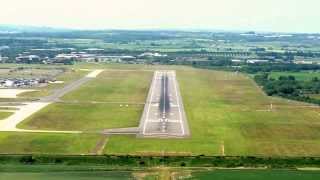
(187, 29)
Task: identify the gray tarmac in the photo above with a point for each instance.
(164, 114)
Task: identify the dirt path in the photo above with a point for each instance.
(222, 149)
(98, 149)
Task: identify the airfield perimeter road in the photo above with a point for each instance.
(10, 123)
(164, 115)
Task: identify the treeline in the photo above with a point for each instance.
(268, 67)
(289, 87)
(114, 161)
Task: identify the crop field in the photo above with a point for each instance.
(25, 143)
(229, 115)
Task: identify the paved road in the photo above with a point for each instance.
(10, 123)
(164, 115)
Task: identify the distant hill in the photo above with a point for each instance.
(24, 29)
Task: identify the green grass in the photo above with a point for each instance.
(84, 116)
(114, 86)
(165, 174)
(66, 175)
(26, 143)
(4, 115)
(229, 110)
(315, 96)
(223, 110)
(256, 174)
(120, 94)
(301, 76)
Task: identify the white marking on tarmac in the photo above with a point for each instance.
(180, 114)
(94, 73)
(154, 82)
(162, 129)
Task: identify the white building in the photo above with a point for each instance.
(149, 54)
(8, 83)
(256, 61)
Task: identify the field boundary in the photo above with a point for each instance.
(168, 161)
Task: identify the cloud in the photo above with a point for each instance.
(275, 15)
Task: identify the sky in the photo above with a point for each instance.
(258, 15)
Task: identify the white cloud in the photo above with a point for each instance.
(276, 15)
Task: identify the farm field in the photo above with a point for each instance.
(26, 143)
(229, 115)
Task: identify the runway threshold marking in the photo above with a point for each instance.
(179, 120)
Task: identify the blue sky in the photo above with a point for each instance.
(260, 15)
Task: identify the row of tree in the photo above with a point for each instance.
(289, 87)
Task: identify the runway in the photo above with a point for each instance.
(164, 114)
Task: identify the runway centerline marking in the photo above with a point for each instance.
(164, 114)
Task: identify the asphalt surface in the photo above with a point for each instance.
(10, 123)
(164, 115)
(70, 87)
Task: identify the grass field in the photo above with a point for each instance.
(228, 111)
(66, 175)
(115, 86)
(22, 143)
(255, 174)
(84, 116)
(227, 114)
(120, 94)
(4, 115)
(301, 76)
(165, 174)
